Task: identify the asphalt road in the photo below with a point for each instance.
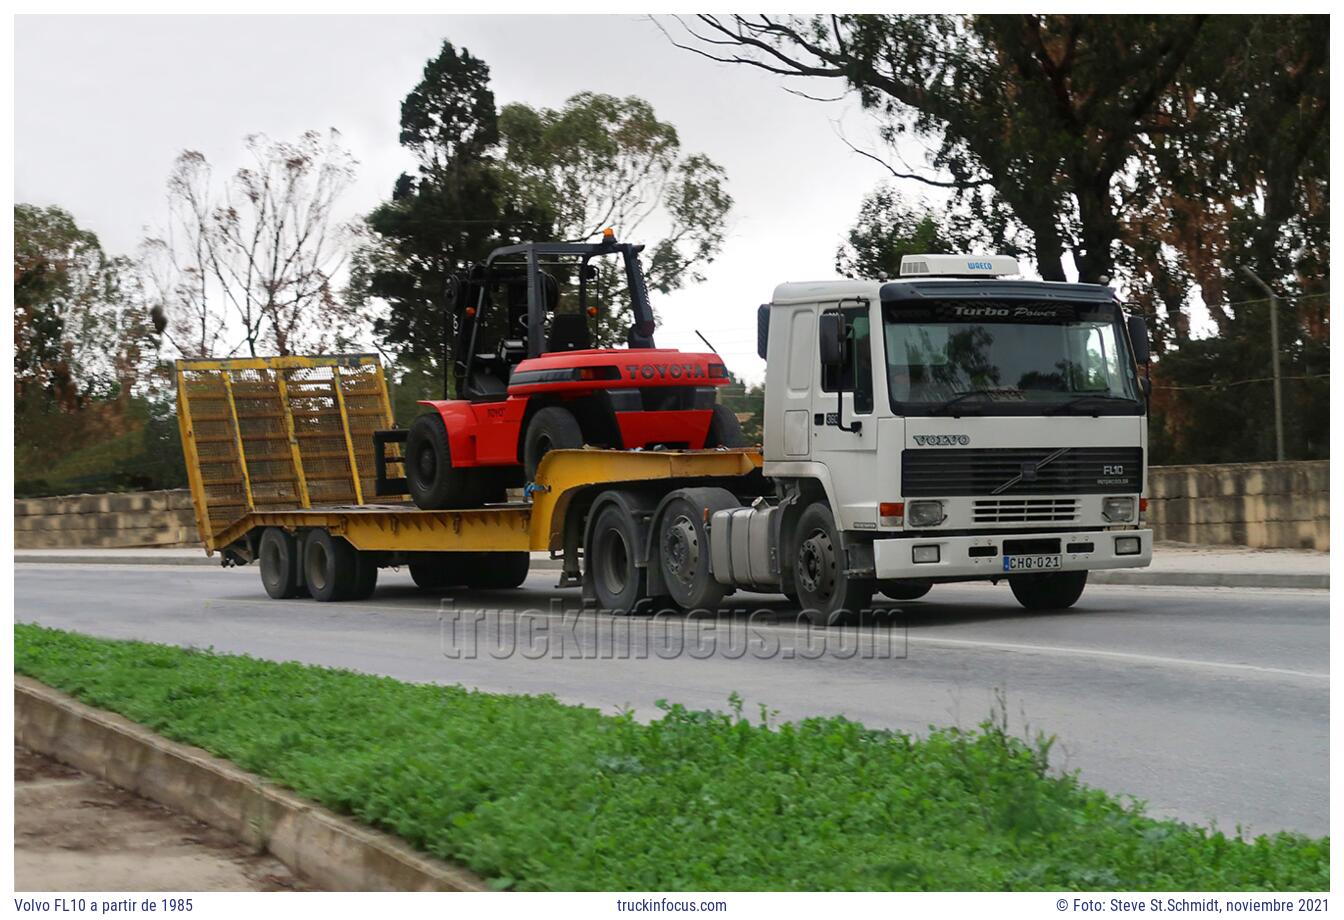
(1210, 704)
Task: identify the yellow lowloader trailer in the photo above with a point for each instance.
(287, 469)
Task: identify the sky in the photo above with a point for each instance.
(103, 104)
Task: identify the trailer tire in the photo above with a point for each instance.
(1055, 591)
(437, 572)
(498, 570)
(619, 584)
(330, 566)
(724, 429)
(433, 482)
(904, 590)
(826, 594)
(278, 554)
(553, 428)
(366, 576)
(684, 552)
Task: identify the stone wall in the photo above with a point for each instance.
(1243, 504)
(118, 519)
(1240, 504)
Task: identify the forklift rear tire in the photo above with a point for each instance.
(430, 476)
(618, 583)
(724, 429)
(330, 566)
(498, 570)
(553, 428)
(279, 557)
(1055, 591)
(826, 593)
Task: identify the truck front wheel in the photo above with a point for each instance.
(826, 593)
(1055, 591)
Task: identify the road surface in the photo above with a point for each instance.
(1210, 704)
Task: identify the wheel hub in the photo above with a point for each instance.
(681, 549)
(816, 564)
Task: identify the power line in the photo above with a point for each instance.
(1237, 383)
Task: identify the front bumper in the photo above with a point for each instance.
(895, 558)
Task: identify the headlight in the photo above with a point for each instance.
(1118, 509)
(924, 514)
(1128, 546)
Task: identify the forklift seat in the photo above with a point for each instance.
(569, 332)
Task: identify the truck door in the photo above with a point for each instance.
(849, 455)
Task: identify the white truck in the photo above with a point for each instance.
(951, 425)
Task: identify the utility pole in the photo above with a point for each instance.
(1274, 346)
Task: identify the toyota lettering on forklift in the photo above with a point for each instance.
(951, 425)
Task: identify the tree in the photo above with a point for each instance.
(253, 266)
(887, 228)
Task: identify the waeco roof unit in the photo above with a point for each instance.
(957, 266)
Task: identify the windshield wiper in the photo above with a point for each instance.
(943, 407)
(1088, 397)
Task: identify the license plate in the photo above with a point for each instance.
(1030, 563)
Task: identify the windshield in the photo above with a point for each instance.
(1007, 358)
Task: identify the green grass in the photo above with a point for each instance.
(534, 794)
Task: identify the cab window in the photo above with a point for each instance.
(856, 374)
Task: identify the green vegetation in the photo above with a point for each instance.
(538, 795)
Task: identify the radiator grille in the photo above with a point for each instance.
(1021, 471)
(1025, 511)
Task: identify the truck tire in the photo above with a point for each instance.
(618, 583)
(904, 590)
(437, 572)
(553, 428)
(330, 566)
(684, 551)
(497, 570)
(724, 429)
(279, 558)
(1055, 591)
(826, 594)
(430, 476)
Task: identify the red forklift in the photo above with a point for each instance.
(528, 379)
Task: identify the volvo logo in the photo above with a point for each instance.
(942, 440)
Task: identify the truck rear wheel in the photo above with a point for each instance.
(825, 593)
(684, 549)
(618, 583)
(1055, 591)
(330, 566)
(553, 428)
(724, 429)
(430, 476)
(279, 557)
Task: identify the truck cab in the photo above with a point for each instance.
(963, 425)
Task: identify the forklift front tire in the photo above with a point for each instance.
(430, 476)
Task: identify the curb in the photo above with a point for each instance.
(1208, 579)
(324, 847)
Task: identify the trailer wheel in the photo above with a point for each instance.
(724, 429)
(279, 557)
(618, 583)
(1055, 591)
(553, 428)
(825, 592)
(498, 570)
(683, 555)
(437, 572)
(366, 576)
(329, 566)
(904, 590)
(430, 476)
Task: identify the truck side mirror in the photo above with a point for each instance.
(831, 339)
(1138, 337)
(762, 329)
